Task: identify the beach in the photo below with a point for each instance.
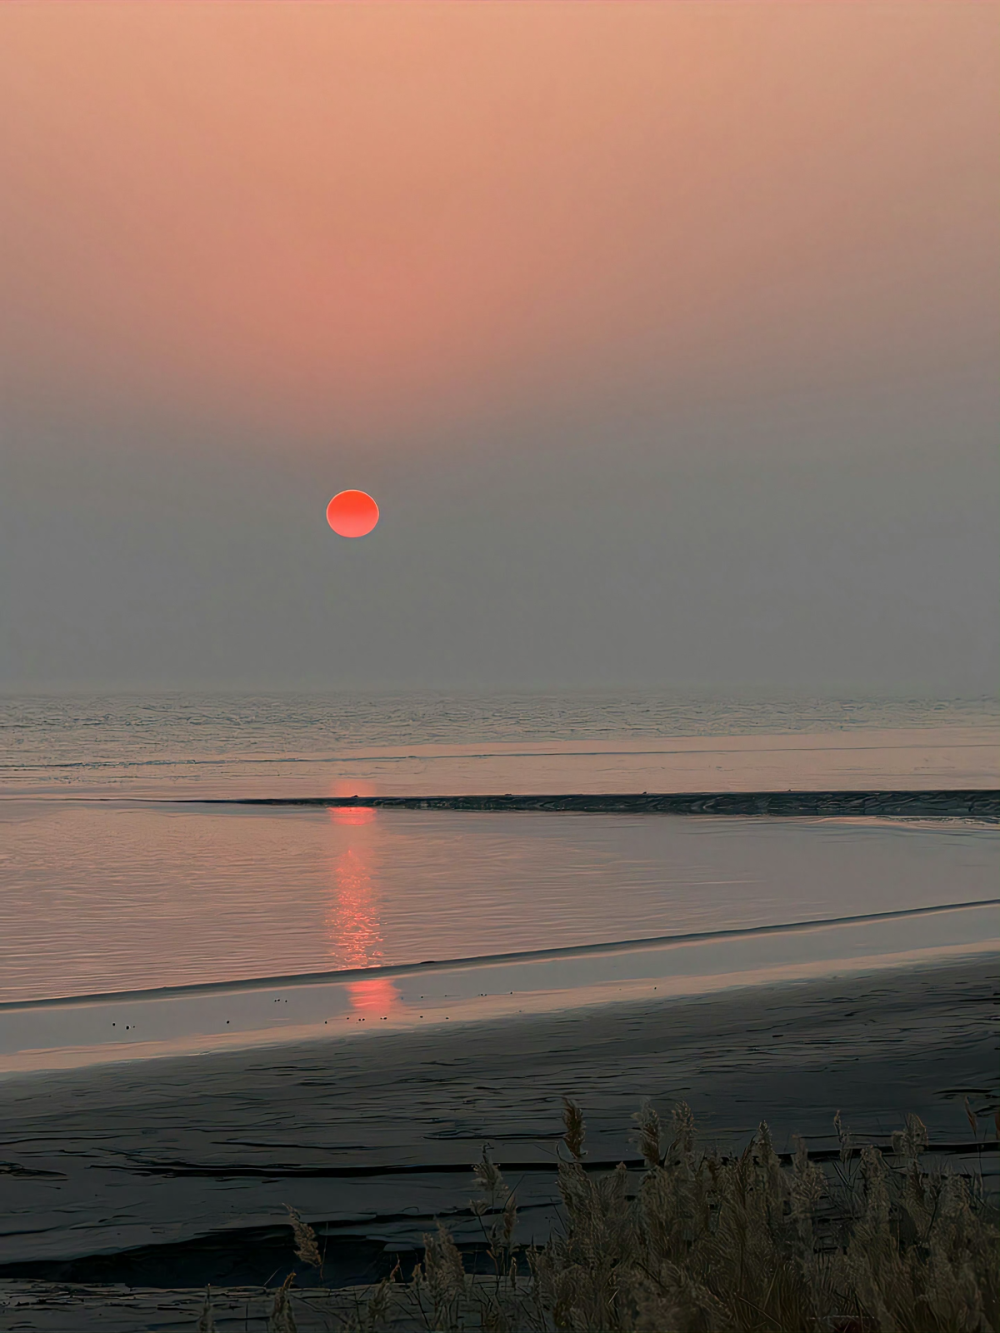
(172, 1172)
(290, 974)
(502, 635)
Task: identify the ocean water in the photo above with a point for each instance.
(114, 875)
(267, 745)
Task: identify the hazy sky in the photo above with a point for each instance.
(665, 335)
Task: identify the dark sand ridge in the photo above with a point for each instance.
(176, 1170)
(978, 803)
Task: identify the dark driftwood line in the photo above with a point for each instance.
(979, 803)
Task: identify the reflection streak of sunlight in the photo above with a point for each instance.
(353, 921)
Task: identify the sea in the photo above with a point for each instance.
(128, 863)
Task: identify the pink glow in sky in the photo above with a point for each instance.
(667, 332)
(358, 213)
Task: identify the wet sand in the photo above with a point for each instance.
(175, 1171)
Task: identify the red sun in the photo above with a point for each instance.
(352, 513)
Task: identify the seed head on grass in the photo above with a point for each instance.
(444, 1273)
(911, 1141)
(844, 1138)
(306, 1244)
(684, 1128)
(509, 1220)
(647, 1134)
(576, 1129)
(492, 1186)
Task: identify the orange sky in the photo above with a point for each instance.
(337, 213)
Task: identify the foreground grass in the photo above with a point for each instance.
(702, 1243)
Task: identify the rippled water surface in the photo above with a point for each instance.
(120, 892)
(322, 745)
(112, 898)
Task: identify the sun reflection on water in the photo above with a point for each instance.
(353, 919)
(375, 998)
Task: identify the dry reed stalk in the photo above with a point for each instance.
(844, 1138)
(281, 1319)
(372, 1314)
(444, 1275)
(496, 1200)
(970, 1115)
(206, 1321)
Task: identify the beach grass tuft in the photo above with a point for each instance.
(697, 1241)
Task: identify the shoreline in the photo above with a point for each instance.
(347, 975)
(151, 1027)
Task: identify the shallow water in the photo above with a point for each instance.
(122, 893)
(105, 897)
